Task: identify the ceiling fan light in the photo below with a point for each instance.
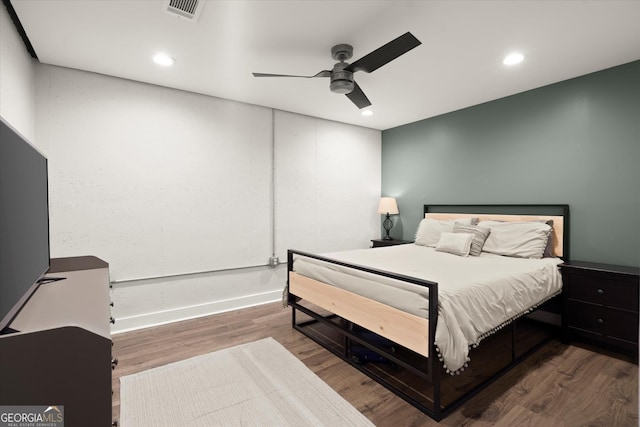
(341, 79)
(341, 86)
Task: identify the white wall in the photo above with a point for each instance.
(17, 105)
(160, 182)
(328, 179)
(155, 180)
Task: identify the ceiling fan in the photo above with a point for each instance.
(341, 74)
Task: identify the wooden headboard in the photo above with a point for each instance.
(558, 213)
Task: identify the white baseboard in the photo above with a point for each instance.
(147, 320)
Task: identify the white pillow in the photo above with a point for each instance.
(480, 235)
(455, 243)
(516, 239)
(429, 229)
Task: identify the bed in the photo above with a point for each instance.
(438, 320)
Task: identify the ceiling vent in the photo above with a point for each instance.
(187, 9)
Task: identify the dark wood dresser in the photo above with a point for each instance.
(601, 305)
(60, 350)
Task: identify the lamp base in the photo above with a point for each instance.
(387, 224)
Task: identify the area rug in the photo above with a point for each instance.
(254, 384)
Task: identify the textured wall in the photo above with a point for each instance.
(574, 142)
(17, 104)
(161, 182)
(157, 181)
(327, 184)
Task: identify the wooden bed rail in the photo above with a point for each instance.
(413, 332)
(402, 328)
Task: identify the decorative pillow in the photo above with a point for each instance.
(548, 250)
(516, 239)
(480, 234)
(429, 229)
(455, 243)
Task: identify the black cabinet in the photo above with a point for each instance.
(601, 305)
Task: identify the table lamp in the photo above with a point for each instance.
(388, 206)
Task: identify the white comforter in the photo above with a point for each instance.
(476, 295)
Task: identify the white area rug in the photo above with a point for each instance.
(255, 384)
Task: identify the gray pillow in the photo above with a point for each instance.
(480, 234)
(548, 250)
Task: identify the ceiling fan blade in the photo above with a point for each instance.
(385, 54)
(358, 97)
(324, 73)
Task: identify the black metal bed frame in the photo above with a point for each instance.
(434, 373)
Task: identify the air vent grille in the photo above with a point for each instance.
(189, 9)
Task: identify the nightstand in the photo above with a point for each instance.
(601, 305)
(378, 243)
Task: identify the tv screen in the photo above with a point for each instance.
(24, 221)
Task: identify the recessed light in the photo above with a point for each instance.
(367, 113)
(163, 59)
(513, 58)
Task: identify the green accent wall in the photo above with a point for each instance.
(576, 142)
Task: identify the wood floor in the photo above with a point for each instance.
(559, 385)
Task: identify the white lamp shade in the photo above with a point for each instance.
(388, 205)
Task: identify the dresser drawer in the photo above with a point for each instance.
(600, 305)
(606, 322)
(608, 292)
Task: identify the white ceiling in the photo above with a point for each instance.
(457, 65)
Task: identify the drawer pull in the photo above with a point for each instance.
(114, 363)
(112, 320)
(600, 321)
(600, 291)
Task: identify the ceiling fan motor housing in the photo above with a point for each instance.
(341, 79)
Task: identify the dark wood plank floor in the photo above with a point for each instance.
(559, 385)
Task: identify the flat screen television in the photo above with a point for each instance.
(24, 222)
